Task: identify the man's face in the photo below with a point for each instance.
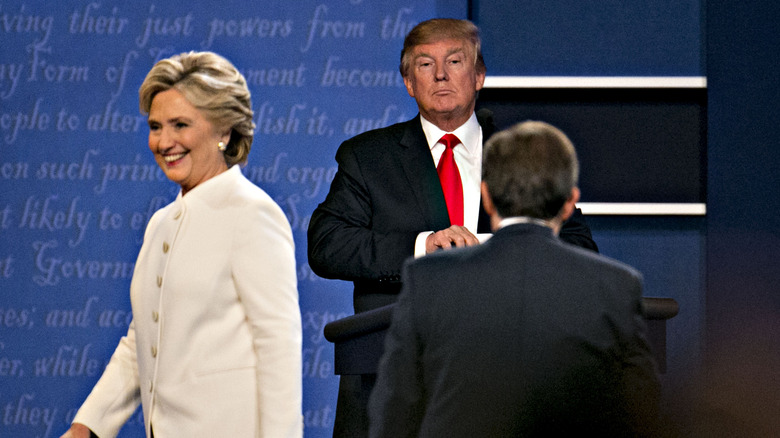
(443, 79)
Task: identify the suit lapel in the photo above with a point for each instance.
(416, 161)
(417, 164)
(485, 119)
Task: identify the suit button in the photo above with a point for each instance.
(155, 316)
(166, 247)
(177, 215)
(159, 281)
(154, 351)
(151, 386)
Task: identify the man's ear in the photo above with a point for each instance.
(480, 81)
(570, 204)
(409, 86)
(490, 207)
(487, 201)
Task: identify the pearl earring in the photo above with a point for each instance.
(221, 146)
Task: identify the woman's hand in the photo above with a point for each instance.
(77, 431)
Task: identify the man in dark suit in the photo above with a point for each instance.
(386, 201)
(524, 335)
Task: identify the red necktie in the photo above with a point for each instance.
(450, 180)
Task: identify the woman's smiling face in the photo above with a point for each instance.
(183, 141)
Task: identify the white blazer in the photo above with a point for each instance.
(214, 348)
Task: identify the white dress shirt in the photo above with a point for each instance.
(468, 157)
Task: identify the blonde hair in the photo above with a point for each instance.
(214, 86)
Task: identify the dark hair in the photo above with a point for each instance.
(213, 85)
(530, 170)
(438, 29)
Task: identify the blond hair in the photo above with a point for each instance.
(213, 85)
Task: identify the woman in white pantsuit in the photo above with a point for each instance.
(214, 348)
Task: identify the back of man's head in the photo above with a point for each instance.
(530, 170)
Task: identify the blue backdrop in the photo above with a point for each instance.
(78, 184)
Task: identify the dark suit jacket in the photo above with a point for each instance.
(520, 336)
(386, 192)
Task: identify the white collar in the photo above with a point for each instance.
(524, 220)
(214, 187)
(468, 133)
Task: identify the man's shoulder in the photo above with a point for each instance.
(600, 262)
(392, 133)
(505, 247)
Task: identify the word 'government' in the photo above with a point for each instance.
(52, 269)
(273, 77)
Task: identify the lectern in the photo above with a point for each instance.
(359, 340)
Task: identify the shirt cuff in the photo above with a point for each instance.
(419, 244)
